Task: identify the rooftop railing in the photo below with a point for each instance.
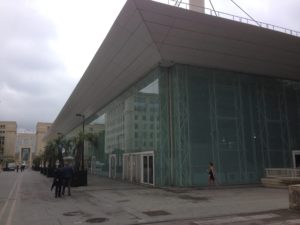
(228, 16)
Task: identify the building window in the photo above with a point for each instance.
(136, 117)
(2, 140)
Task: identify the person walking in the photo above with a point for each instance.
(17, 168)
(67, 177)
(57, 181)
(211, 174)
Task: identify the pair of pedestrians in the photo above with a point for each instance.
(62, 179)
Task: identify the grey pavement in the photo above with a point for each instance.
(26, 199)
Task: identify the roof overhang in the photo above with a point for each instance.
(146, 33)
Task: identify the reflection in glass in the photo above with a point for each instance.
(129, 124)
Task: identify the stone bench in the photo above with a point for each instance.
(294, 196)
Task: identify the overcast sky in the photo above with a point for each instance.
(46, 45)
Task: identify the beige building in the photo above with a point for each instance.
(25, 147)
(41, 131)
(8, 130)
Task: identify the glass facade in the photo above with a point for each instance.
(240, 122)
(129, 128)
(167, 128)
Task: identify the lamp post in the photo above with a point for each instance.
(82, 152)
(59, 146)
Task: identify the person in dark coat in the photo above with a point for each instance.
(57, 181)
(67, 177)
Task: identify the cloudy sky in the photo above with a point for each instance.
(46, 45)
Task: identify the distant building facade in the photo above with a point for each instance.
(41, 131)
(25, 148)
(8, 130)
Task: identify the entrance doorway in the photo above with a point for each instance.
(148, 168)
(296, 158)
(112, 165)
(138, 167)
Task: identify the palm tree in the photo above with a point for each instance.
(78, 147)
(50, 156)
(67, 145)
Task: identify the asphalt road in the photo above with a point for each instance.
(26, 199)
(9, 193)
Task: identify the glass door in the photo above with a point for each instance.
(148, 168)
(112, 165)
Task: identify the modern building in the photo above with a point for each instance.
(8, 131)
(133, 124)
(25, 148)
(41, 130)
(222, 90)
(98, 131)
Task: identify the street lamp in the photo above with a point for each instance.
(59, 147)
(82, 152)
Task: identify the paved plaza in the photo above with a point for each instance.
(26, 199)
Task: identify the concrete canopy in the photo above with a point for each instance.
(148, 33)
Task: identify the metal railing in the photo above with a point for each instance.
(228, 16)
(282, 172)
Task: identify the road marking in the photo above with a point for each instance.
(8, 198)
(12, 208)
(236, 219)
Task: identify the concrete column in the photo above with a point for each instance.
(294, 196)
(197, 5)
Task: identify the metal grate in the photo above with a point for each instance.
(96, 220)
(157, 213)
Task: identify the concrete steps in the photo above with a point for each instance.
(279, 182)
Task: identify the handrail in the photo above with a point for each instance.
(240, 19)
(282, 172)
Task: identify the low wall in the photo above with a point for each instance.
(294, 196)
